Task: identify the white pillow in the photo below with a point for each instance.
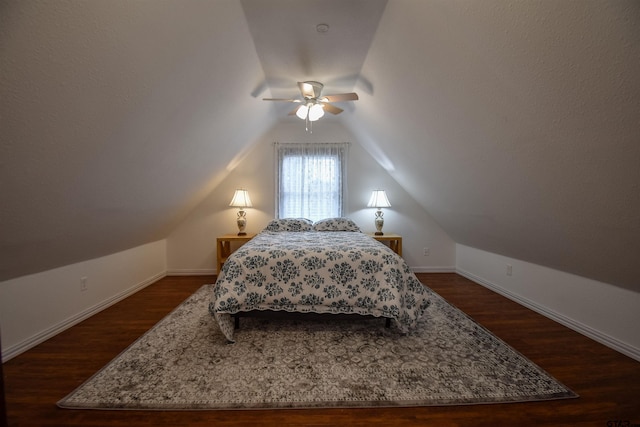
(289, 224)
(335, 224)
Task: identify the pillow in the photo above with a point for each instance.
(289, 224)
(335, 224)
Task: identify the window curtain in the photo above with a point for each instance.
(311, 180)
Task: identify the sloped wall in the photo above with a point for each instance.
(109, 109)
(515, 124)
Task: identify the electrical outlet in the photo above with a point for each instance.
(426, 252)
(83, 284)
(509, 270)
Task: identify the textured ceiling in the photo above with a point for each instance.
(514, 124)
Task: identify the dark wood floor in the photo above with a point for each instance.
(608, 383)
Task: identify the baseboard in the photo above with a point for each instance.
(433, 269)
(192, 272)
(50, 332)
(579, 327)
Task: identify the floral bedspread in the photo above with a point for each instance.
(320, 272)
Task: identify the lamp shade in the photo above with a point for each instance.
(241, 199)
(302, 112)
(378, 200)
(315, 112)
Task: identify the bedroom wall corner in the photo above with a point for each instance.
(191, 245)
(36, 307)
(603, 312)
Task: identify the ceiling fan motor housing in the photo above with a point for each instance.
(316, 89)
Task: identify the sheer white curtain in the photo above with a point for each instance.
(311, 180)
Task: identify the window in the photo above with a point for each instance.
(310, 180)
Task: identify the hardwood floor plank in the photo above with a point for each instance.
(608, 382)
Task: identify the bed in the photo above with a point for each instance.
(330, 266)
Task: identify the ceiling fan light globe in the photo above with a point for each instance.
(302, 112)
(315, 112)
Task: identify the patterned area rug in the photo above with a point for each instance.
(184, 362)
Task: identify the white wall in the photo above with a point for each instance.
(191, 246)
(603, 312)
(34, 308)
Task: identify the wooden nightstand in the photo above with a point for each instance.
(227, 244)
(394, 241)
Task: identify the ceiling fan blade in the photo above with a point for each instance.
(340, 97)
(281, 99)
(332, 108)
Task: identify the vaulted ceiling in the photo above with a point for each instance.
(516, 125)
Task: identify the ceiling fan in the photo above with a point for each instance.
(313, 104)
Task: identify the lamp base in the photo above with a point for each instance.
(379, 221)
(242, 222)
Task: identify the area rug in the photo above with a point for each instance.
(185, 363)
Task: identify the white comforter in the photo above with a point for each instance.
(319, 272)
